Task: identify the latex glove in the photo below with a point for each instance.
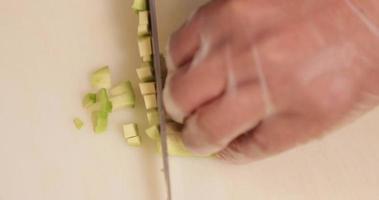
(252, 78)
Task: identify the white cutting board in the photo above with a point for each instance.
(48, 49)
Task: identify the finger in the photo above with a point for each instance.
(184, 43)
(204, 27)
(196, 84)
(216, 124)
(187, 88)
(271, 137)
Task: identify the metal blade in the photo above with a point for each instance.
(158, 75)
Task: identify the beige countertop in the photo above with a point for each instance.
(47, 50)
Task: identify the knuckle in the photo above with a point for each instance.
(243, 150)
(235, 156)
(333, 98)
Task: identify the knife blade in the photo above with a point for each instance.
(159, 85)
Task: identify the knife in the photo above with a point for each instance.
(159, 85)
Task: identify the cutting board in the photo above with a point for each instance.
(47, 51)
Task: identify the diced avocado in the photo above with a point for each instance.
(139, 5)
(144, 45)
(103, 101)
(174, 127)
(134, 141)
(150, 101)
(147, 58)
(123, 95)
(145, 74)
(143, 17)
(89, 99)
(78, 123)
(100, 121)
(107, 106)
(123, 87)
(147, 88)
(123, 100)
(143, 30)
(175, 146)
(153, 132)
(147, 64)
(101, 78)
(130, 130)
(153, 117)
(94, 107)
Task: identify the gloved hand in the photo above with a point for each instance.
(252, 78)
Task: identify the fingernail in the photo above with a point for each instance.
(172, 109)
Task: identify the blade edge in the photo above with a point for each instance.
(158, 75)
